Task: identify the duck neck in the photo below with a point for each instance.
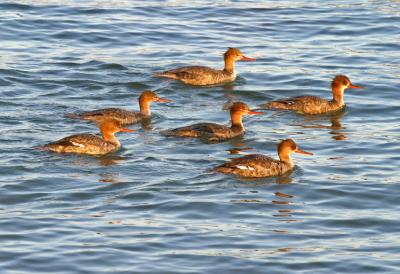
(110, 137)
(285, 158)
(236, 119)
(338, 97)
(229, 65)
(144, 107)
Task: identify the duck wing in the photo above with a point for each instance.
(197, 75)
(81, 143)
(304, 104)
(209, 132)
(253, 165)
(122, 115)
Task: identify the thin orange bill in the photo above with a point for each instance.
(126, 130)
(162, 100)
(252, 112)
(354, 86)
(300, 151)
(244, 58)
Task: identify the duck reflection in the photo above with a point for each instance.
(336, 128)
(284, 214)
(283, 202)
(106, 161)
(238, 150)
(109, 177)
(229, 102)
(229, 86)
(103, 161)
(109, 160)
(284, 180)
(257, 182)
(238, 145)
(146, 123)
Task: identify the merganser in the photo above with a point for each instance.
(89, 143)
(313, 104)
(214, 132)
(201, 75)
(258, 165)
(125, 117)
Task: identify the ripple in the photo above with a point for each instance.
(154, 200)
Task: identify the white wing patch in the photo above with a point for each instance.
(77, 144)
(244, 167)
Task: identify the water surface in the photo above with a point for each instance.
(152, 207)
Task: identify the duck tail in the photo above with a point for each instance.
(167, 133)
(166, 74)
(267, 105)
(72, 116)
(220, 169)
(41, 148)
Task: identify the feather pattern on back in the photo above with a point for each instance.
(208, 131)
(198, 75)
(82, 143)
(254, 165)
(125, 117)
(304, 104)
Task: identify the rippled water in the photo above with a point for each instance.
(151, 207)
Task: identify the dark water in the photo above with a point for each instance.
(151, 208)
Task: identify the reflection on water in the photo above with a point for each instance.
(229, 86)
(258, 182)
(229, 101)
(109, 160)
(238, 150)
(336, 128)
(237, 141)
(58, 57)
(109, 177)
(100, 214)
(146, 123)
(93, 161)
(285, 249)
(102, 161)
(283, 195)
(285, 214)
(284, 179)
(246, 201)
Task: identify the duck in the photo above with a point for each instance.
(88, 143)
(315, 105)
(125, 117)
(258, 165)
(202, 75)
(212, 132)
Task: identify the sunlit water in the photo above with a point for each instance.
(152, 207)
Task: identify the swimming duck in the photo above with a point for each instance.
(258, 165)
(214, 132)
(125, 117)
(89, 143)
(201, 75)
(313, 104)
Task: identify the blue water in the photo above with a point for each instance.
(151, 207)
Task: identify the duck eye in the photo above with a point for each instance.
(345, 83)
